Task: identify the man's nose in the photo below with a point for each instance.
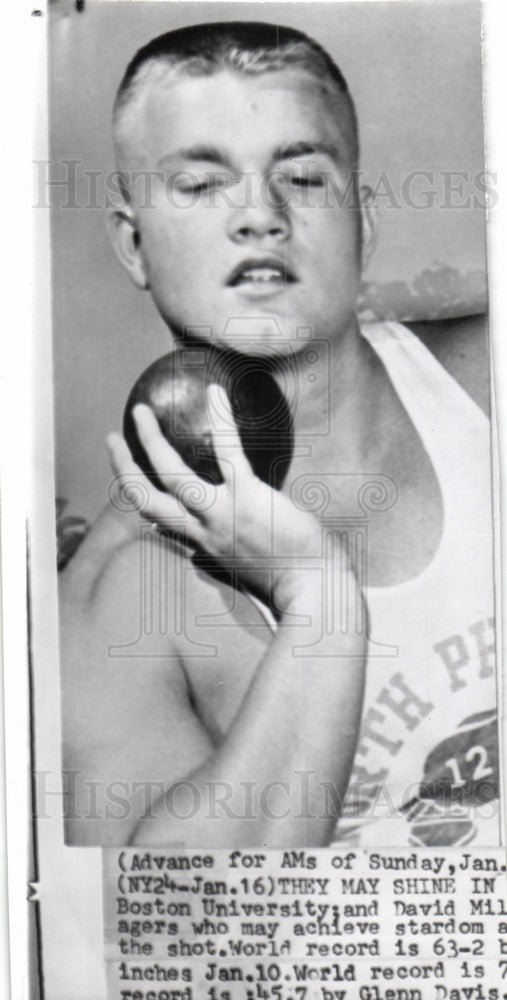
(260, 212)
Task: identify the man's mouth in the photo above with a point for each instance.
(266, 273)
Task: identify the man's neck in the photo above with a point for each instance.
(336, 388)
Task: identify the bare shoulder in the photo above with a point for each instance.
(104, 574)
(462, 347)
(112, 581)
(111, 540)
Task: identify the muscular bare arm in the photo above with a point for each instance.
(127, 728)
(294, 735)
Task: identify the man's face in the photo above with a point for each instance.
(251, 239)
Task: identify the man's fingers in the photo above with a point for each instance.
(133, 487)
(119, 453)
(226, 439)
(164, 458)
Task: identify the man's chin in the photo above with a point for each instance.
(254, 335)
(263, 336)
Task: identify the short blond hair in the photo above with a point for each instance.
(246, 47)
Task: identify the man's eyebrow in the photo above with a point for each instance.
(204, 153)
(294, 149)
(198, 153)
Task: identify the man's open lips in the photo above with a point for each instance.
(265, 271)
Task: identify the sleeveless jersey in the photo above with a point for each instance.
(426, 765)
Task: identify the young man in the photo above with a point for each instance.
(201, 720)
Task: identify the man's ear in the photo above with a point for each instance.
(126, 241)
(369, 221)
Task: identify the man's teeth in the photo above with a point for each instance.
(261, 274)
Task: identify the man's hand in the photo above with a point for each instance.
(245, 525)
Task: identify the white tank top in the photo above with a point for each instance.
(426, 765)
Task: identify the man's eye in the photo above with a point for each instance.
(308, 181)
(302, 180)
(197, 184)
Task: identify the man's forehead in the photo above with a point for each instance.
(182, 108)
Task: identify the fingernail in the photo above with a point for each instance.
(218, 393)
(139, 410)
